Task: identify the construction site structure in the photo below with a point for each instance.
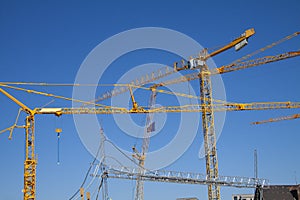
(207, 108)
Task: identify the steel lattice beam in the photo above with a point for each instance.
(180, 177)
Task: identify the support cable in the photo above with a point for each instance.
(101, 183)
(87, 173)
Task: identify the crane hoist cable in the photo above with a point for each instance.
(58, 131)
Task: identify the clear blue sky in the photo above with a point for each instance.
(48, 41)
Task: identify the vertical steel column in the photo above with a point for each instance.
(30, 161)
(209, 130)
(149, 128)
(139, 193)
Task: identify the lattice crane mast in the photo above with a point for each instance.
(211, 158)
(30, 159)
(141, 157)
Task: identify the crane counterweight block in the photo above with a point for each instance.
(55, 111)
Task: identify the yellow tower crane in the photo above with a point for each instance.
(207, 116)
(206, 97)
(211, 158)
